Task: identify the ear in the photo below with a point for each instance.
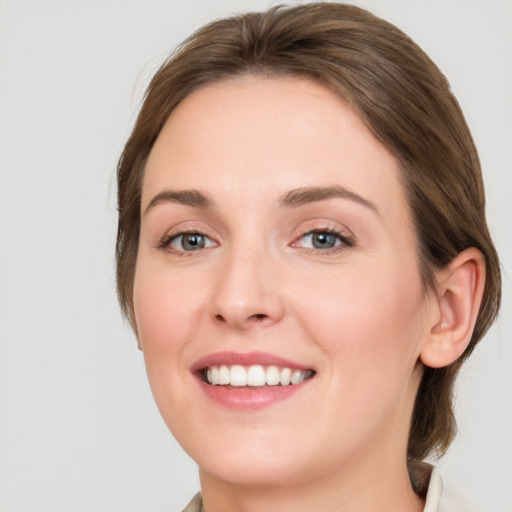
(459, 295)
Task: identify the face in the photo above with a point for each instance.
(276, 243)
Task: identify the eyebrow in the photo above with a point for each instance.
(190, 197)
(292, 198)
(305, 195)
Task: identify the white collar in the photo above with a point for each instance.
(440, 498)
(435, 499)
(435, 489)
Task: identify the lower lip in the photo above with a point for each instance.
(250, 398)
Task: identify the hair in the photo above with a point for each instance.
(400, 95)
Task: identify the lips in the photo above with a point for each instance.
(246, 359)
(250, 380)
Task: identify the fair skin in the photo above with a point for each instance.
(299, 244)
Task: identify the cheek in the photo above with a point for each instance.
(165, 306)
(166, 314)
(369, 322)
(167, 317)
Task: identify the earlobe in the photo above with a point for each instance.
(460, 291)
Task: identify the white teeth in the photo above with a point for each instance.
(237, 376)
(224, 373)
(297, 376)
(286, 376)
(254, 376)
(273, 376)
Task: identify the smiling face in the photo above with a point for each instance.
(276, 240)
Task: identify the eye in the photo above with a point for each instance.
(188, 242)
(323, 240)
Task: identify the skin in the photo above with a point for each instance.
(356, 314)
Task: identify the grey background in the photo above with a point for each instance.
(78, 427)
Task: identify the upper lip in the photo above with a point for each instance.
(245, 359)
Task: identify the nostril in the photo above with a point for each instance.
(256, 318)
(241, 321)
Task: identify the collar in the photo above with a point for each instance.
(430, 482)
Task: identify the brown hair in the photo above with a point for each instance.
(404, 100)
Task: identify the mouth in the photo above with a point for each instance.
(249, 381)
(256, 376)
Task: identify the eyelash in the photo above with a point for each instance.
(346, 241)
(166, 242)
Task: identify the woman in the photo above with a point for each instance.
(303, 255)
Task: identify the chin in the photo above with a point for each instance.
(248, 472)
(248, 464)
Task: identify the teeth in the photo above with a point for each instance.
(224, 377)
(237, 376)
(215, 375)
(297, 376)
(273, 376)
(254, 376)
(286, 376)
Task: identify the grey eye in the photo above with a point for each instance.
(189, 242)
(322, 240)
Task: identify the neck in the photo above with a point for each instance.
(384, 487)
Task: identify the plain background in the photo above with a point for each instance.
(78, 427)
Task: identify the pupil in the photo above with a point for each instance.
(323, 240)
(193, 242)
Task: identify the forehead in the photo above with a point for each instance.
(254, 135)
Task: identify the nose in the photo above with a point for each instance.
(247, 294)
